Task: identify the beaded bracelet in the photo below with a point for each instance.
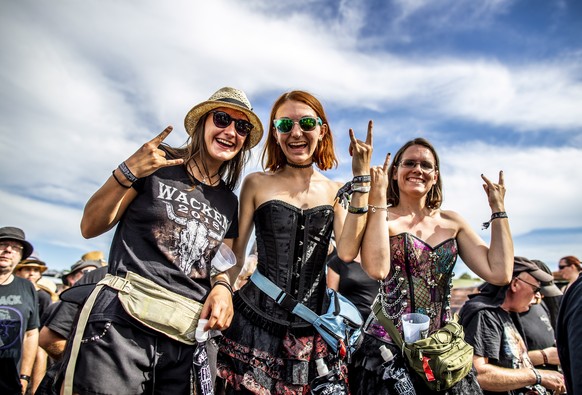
(127, 173)
(376, 208)
(499, 214)
(357, 210)
(364, 178)
(224, 284)
(119, 182)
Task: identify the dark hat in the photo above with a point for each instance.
(549, 289)
(521, 264)
(82, 264)
(230, 98)
(17, 234)
(32, 261)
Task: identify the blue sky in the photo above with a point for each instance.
(493, 84)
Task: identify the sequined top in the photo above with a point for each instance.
(420, 281)
(292, 246)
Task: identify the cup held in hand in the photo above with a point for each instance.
(415, 326)
(224, 259)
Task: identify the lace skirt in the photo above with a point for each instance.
(367, 371)
(254, 360)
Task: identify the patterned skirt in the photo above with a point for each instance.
(256, 361)
(367, 370)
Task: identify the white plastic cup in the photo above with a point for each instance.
(224, 259)
(415, 326)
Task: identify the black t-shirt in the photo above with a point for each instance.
(355, 284)
(18, 314)
(493, 335)
(537, 327)
(569, 336)
(171, 231)
(44, 301)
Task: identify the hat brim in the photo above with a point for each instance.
(540, 275)
(26, 246)
(551, 290)
(42, 268)
(201, 109)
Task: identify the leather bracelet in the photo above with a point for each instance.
(127, 173)
(119, 182)
(364, 178)
(25, 377)
(538, 377)
(357, 210)
(499, 214)
(224, 284)
(545, 356)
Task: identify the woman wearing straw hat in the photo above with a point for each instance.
(173, 208)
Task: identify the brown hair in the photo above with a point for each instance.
(434, 197)
(324, 157)
(230, 171)
(572, 260)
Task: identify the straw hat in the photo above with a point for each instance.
(230, 98)
(32, 261)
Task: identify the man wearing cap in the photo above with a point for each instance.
(78, 269)
(503, 363)
(19, 319)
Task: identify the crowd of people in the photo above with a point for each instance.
(129, 325)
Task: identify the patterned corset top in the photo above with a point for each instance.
(420, 281)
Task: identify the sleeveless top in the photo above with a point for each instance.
(420, 281)
(292, 245)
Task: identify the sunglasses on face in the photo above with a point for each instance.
(306, 124)
(222, 120)
(560, 267)
(536, 288)
(411, 164)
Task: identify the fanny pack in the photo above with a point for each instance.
(340, 326)
(149, 303)
(442, 359)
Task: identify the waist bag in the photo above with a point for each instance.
(441, 360)
(149, 303)
(340, 326)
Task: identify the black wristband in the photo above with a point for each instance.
(25, 377)
(224, 284)
(499, 214)
(119, 182)
(127, 173)
(357, 210)
(538, 377)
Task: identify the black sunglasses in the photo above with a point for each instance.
(222, 120)
(307, 124)
(535, 288)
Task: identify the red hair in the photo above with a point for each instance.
(324, 157)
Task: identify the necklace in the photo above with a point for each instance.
(296, 166)
(205, 179)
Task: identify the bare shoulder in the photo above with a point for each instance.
(453, 218)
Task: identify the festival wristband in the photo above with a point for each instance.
(127, 173)
(499, 214)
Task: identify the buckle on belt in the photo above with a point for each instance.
(120, 284)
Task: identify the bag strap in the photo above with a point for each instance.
(79, 331)
(387, 322)
(282, 298)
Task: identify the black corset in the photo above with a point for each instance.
(292, 247)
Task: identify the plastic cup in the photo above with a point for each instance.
(415, 326)
(224, 259)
